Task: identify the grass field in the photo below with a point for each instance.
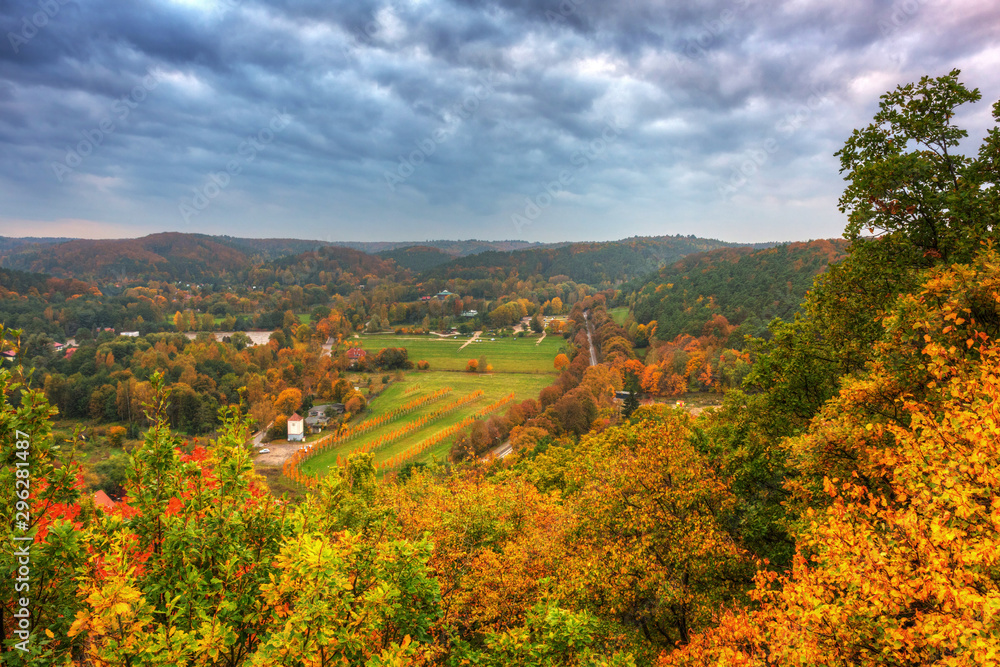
(619, 315)
(524, 384)
(506, 355)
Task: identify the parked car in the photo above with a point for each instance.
(265, 451)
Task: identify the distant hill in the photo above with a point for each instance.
(745, 285)
(329, 265)
(11, 245)
(268, 249)
(177, 256)
(453, 248)
(417, 258)
(168, 256)
(600, 264)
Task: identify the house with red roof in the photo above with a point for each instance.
(296, 428)
(103, 501)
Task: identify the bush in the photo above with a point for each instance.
(423, 365)
(116, 434)
(112, 472)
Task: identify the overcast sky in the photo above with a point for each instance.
(426, 119)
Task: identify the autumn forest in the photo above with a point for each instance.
(663, 450)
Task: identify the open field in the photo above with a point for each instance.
(619, 315)
(494, 387)
(506, 355)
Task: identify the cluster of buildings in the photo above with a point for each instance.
(316, 420)
(440, 296)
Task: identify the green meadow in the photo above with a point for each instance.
(619, 315)
(506, 355)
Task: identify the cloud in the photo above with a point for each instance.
(697, 89)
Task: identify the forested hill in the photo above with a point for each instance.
(343, 267)
(748, 287)
(10, 245)
(417, 258)
(599, 264)
(167, 256)
(453, 248)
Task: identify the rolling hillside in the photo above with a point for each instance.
(168, 256)
(599, 264)
(742, 284)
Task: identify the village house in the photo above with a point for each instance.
(103, 501)
(320, 415)
(356, 355)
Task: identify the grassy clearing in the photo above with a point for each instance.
(506, 355)
(494, 387)
(619, 315)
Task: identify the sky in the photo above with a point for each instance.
(375, 120)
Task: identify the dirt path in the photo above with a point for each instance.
(590, 340)
(540, 339)
(474, 337)
(500, 451)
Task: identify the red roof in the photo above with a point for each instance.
(101, 499)
(356, 353)
(295, 418)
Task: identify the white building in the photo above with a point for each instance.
(296, 426)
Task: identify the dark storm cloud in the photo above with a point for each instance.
(431, 118)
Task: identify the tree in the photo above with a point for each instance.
(115, 435)
(900, 542)
(561, 361)
(472, 366)
(393, 358)
(651, 527)
(632, 400)
(42, 503)
(288, 401)
(278, 429)
(906, 178)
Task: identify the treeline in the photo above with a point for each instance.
(596, 264)
(747, 287)
(108, 379)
